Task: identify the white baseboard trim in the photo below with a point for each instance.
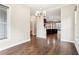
(76, 44)
(14, 43)
(67, 41)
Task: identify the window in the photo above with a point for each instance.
(3, 22)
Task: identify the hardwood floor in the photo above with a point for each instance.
(39, 46)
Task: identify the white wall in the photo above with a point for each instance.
(67, 23)
(33, 25)
(18, 26)
(77, 29)
(53, 15)
(37, 26)
(77, 24)
(41, 31)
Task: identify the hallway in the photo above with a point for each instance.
(39, 46)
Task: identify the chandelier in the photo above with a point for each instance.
(40, 13)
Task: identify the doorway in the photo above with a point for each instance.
(52, 23)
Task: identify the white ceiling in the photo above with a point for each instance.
(52, 10)
(46, 7)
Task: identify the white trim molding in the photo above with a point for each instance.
(10, 43)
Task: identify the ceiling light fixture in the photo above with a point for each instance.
(40, 13)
